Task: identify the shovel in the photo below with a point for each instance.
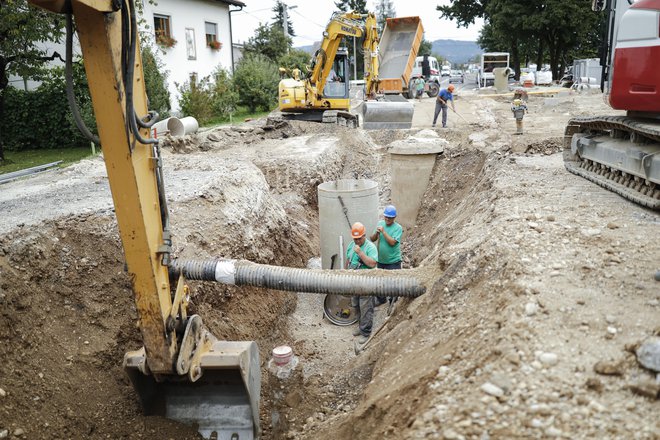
(359, 348)
(459, 115)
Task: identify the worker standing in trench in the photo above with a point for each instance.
(362, 254)
(388, 233)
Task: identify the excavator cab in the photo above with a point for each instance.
(338, 85)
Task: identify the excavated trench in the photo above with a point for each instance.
(68, 315)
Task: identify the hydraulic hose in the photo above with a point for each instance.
(246, 273)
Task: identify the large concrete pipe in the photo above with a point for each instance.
(350, 282)
(411, 162)
(342, 203)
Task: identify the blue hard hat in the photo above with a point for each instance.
(390, 211)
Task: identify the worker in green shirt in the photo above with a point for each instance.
(362, 254)
(388, 233)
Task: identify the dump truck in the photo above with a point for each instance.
(399, 45)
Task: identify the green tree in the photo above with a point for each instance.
(425, 47)
(256, 79)
(352, 5)
(278, 9)
(295, 59)
(22, 27)
(550, 30)
(224, 96)
(155, 81)
(384, 10)
(464, 12)
(196, 99)
(269, 41)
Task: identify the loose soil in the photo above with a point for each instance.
(536, 275)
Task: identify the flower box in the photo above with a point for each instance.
(165, 41)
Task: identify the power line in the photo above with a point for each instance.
(311, 21)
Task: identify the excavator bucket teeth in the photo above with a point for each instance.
(379, 115)
(223, 403)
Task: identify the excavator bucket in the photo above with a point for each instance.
(395, 112)
(223, 403)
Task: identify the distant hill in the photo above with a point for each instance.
(309, 48)
(456, 51)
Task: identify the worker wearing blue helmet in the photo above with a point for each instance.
(388, 233)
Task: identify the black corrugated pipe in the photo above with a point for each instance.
(246, 273)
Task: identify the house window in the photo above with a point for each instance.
(211, 33)
(163, 29)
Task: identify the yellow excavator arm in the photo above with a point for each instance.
(348, 24)
(183, 371)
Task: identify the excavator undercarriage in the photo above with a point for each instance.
(619, 153)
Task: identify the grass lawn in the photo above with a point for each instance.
(19, 160)
(241, 115)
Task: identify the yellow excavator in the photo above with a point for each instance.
(183, 372)
(323, 95)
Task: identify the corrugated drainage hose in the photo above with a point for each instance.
(246, 273)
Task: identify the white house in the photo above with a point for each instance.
(200, 28)
(195, 37)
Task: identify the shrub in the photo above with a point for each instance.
(196, 99)
(41, 118)
(295, 59)
(256, 79)
(212, 96)
(156, 83)
(224, 97)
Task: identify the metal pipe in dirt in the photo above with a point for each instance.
(338, 282)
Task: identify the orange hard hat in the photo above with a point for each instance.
(450, 88)
(358, 230)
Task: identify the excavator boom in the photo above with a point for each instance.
(183, 372)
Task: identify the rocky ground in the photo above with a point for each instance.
(541, 287)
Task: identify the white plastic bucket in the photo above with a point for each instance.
(282, 355)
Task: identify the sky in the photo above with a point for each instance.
(310, 17)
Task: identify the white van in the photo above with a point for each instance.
(429, 67)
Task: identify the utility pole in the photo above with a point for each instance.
(285, 16)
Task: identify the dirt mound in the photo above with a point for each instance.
(546, 147)
(229, 136)
(538, 277)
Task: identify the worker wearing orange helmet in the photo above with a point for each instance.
(444, 96)
(362, 254)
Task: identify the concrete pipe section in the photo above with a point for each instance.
(411, 162)
(342, 203)
(383, 115)
(176, 127)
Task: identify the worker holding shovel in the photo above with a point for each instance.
(444, 96)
